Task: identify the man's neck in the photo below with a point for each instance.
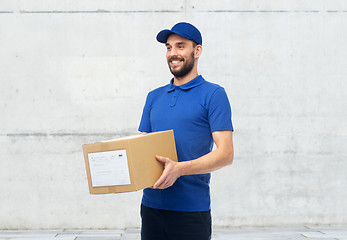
(183, 80)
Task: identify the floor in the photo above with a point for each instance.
(273, 233)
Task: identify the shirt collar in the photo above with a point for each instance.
(191, 84)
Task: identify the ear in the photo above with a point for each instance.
(198, 51)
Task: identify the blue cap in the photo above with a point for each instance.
(183, 29)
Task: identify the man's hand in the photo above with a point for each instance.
(170, 174)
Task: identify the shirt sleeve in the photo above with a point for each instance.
(145, 123)
(219, 112)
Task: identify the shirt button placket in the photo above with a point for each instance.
(174, 96)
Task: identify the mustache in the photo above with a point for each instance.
(175, 59)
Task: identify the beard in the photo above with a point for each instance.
(185, 68)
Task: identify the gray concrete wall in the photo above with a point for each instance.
(74, 72)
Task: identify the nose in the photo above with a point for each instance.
(173, 51)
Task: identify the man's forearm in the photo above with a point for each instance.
(222, 156)
(208, 163)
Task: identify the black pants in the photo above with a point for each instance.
(172, 225)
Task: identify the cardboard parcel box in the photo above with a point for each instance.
(127, 164)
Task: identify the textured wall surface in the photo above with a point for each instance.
(74, 72)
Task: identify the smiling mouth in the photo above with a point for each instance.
(175, 61)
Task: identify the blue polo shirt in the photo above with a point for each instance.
(193, 110)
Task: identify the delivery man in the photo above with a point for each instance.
(178, 206)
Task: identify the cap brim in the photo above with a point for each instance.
(164, 35)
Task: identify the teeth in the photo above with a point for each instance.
(174, 62)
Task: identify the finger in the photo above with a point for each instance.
(165, 184)
(160, 158)
(168, 184)
(159, 185)
(160, 181)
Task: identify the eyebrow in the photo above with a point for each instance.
(177, 43)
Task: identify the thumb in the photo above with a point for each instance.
(160, 158)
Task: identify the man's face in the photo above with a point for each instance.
(180, 55)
